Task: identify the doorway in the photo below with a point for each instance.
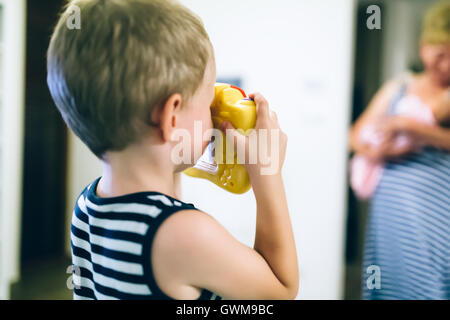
(367, 80)
(42, 257)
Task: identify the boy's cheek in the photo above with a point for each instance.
(207, 131)
(208, 123)
(199, 130)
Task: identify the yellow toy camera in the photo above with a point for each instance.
(230, 104)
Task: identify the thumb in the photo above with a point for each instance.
(227, 125)
(228, 128)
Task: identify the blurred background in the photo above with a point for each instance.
(316, 62)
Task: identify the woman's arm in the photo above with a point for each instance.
(425, 134)
(375, 110)
(437, 137)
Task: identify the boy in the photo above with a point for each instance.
(133, 74)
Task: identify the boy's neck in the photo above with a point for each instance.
(134, 170)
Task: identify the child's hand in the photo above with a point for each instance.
(195, 251)
(269, 137)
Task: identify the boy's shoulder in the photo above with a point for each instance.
(137, 202)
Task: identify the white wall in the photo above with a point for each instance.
(82, 168)
(299, 54)
(11, 138)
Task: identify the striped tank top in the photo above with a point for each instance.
(111, 241)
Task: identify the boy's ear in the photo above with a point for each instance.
(168, 116)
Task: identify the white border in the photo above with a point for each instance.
(12, 132)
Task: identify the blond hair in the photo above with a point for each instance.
(128, 57)
(436, 24)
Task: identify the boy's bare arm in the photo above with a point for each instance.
(192, 250)
(274, 238)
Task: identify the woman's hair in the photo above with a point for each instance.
(436, 24)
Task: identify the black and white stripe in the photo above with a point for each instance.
(408, 235)
(111, 240)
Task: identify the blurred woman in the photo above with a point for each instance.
(408, 234)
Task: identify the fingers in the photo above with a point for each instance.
(227, 125)
(234, 137)
(273, 115)
(262, 106)
(228, 128)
